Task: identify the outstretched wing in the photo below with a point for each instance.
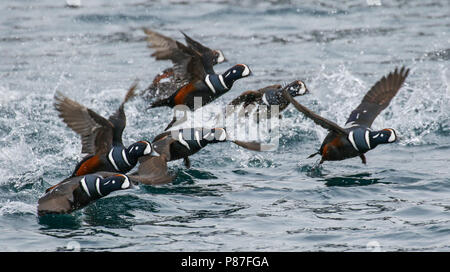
(319, 120)
(270, 87)
(95, 131)
(153, 170)
(378, 98)
(195, 44)
(209, 57)
(187, 62)
(119, 118)
(246, 97)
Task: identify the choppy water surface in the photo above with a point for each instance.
(232, 199)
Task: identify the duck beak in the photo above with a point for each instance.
(154, 153)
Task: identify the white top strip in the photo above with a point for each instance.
(124, 156)
(223, 82)
(111, 160)
(352, 141)
(97, 186)
(182, 141)
(197, 137)
(85, 188)
(366, 136)
(126, 183)
(264, 99)
(210, 86)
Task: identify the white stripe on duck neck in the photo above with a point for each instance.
(223, 82)
(111, 159)
(182, 141)
(208, 82)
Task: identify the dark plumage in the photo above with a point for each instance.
(267, 96)
(193, 74)
(356, 138)
(180, 144)
(77, 192)
(165, 48)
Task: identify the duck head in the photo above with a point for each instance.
(296, 88)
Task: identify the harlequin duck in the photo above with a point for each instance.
(269, 96)
(76, 192)
(195, 76)
(166, 83)
(180, 144)
(356, 138)
(204, 87)
(207, 86)
(101, 138)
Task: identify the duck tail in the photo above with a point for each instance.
(167, 102)
(312, 155)
(255, 146)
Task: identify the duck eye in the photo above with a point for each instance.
(234, 71)
(136, 148)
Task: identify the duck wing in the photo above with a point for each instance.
(319, 120)
(377, 98)
(246, 97)
(96, 132)
(152, 170)
(208, 57)
(119, 119)
(187, 62)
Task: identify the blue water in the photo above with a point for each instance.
(232, 199)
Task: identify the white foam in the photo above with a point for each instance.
(16, 207)
(73, 3)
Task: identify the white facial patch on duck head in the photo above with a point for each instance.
(246, 71)
(148, 149)
(126, 183)
(392, 137)
(222, 134)
(302, 88)
(221, 57)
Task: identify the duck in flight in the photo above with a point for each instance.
(193, 74)
(101, 138)
(180, 144)
(166, 48)
(357, 137)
